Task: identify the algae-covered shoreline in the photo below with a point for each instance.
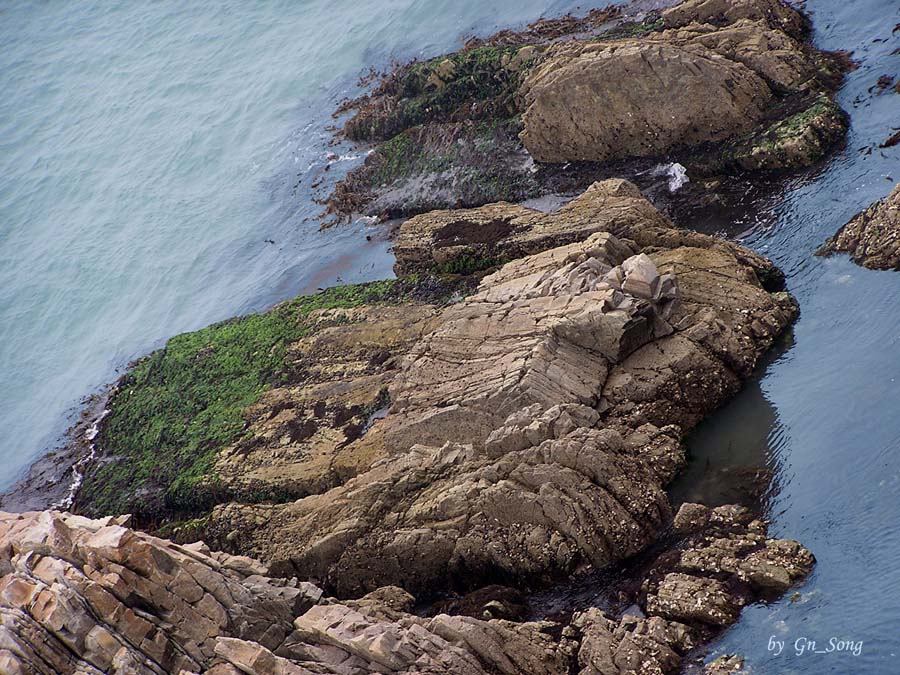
(510, 409)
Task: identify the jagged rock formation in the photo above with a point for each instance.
(872, 238)
(84, 597)
(532, 430)
(724, 87)
(533, 427)
(712, 77)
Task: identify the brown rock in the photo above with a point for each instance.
(496, 233)
(577, 108)
(872, 237)
(630, 645)
(774, 13)
(499, 465)
(683, 597)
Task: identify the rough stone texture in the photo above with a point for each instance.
(91, 596)
(777, 58)
(531, 432)
(630, 645)
(725, 561)
(872, 238)
(577, 108)
(84, 597)
(720, 69)
(774, 13)
(303, 438)
(496, 233)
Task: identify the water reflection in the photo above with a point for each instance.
(730, 460)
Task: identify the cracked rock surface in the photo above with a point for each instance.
(532, 431)
(84, 597)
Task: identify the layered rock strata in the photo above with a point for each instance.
(721, 87)
(84, 597)
(532, 431)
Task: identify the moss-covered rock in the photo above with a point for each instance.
(439, 166)
(477, 83)
(796, 141)
(176, 409)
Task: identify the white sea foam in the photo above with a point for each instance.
(79, 467)
(676, 173)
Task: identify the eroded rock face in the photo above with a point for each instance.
(725, 562)
(533, 429)
(872, 238)
(457, 239)
(716, 73)
(303, 438)
(774, 13)
(92, 596)
(577, 108)
(85, 597)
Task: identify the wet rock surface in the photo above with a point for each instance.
(723, 87)
(872, 238)
(93, 596)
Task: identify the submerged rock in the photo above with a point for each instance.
(872, 237)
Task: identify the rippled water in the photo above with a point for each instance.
(157, 172)
(825, 416)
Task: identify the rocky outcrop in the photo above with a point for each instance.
(85, 597)
(773, 13)
(92, 596)
(725, 87)
(725, 562)
(577, 108)
(744, 57)
(465, 240)
(872, 238)
(532, 431)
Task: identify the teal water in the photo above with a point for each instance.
(148, 151)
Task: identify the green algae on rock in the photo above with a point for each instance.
(793, 142)
(175, 409)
